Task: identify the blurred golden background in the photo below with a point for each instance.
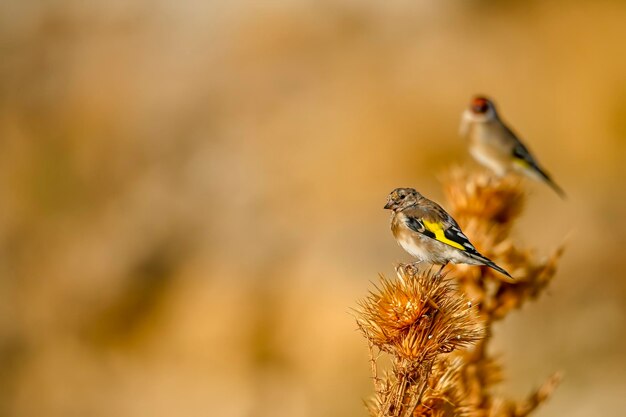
(192, 194)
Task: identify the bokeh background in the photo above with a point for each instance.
(191, 194)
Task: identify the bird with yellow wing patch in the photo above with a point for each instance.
(426, 231)
(493, 144)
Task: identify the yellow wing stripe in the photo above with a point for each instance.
(521, 162)
(437, 229)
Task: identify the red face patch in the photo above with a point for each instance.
(480, 105)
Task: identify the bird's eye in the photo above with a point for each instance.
(402, 197)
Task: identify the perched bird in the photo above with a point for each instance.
(428, 232)
(494, 145)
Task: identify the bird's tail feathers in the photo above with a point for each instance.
(491, 264)
(501, 270)
(544, 176)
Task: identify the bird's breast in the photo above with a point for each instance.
(413, 243)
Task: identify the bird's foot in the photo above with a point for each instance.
(413, 267)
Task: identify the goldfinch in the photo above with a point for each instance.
(495, 146)
(426, 231)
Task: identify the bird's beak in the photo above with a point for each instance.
(388, 205)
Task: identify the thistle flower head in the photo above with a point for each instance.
(418, 315)
(483, 198)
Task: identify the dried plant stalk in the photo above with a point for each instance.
(436, 329)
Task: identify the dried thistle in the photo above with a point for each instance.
(481, 196)
(486, 208)
(422, 320)
(415, 318)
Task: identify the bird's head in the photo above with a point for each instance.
(401, 198)
(482, 108)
